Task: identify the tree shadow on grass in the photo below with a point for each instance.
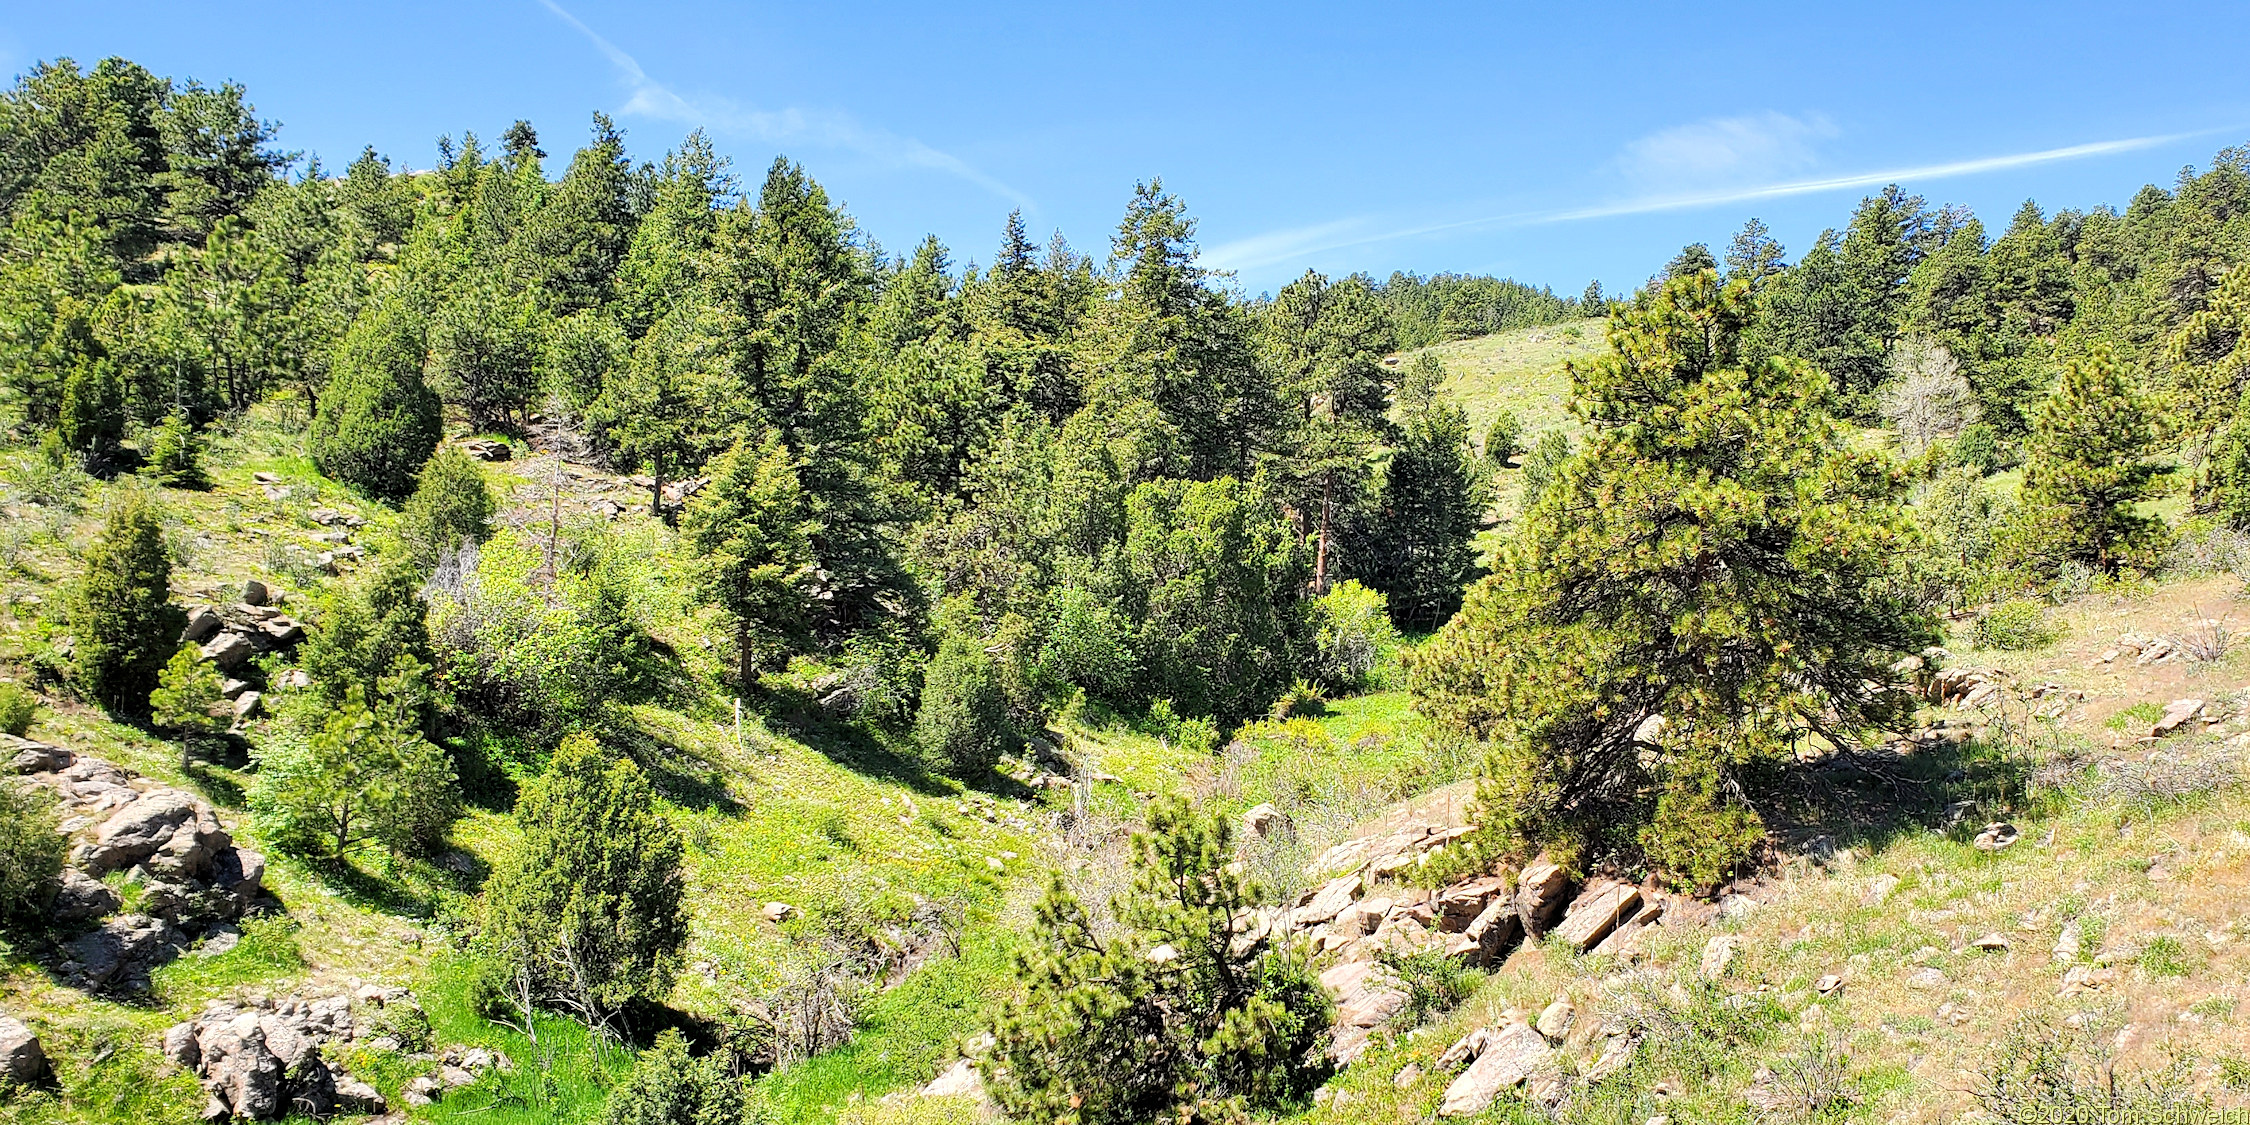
(1873, 798)
(850, 745)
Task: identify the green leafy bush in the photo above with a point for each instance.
(18, 708)
(2016, 626)
(362, 777)
(1435, 984)
(1353, 635)
(31, 852)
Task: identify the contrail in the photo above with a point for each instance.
(651, 98)
(1295, 242)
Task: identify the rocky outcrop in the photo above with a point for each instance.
(167, 843)
(1504, 1059)
(264, 1061)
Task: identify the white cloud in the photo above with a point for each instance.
(825, 128)
(1723, 150)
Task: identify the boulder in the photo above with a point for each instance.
(122, 950)
(1365, 998)
(81, 899)
(1265, 820)
(1330, 901)
(355, 1096)
(1596, 912)
(959, 1080)
(1493, 931)
(1554, 1020)
(229, 651)
(1512, 1055)
(283, 631)
(2176, 714)
(1996, 837)
(173, 833)
(1540, 893)
(26, 756)
(255, 592)
(23, 1060)
(1465, 1049)
(246, 704)
(778, 912)
(1460, 904)
(242, 1076)
(203, 623)
(1718, 955)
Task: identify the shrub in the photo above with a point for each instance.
(377, 422)
(175, 456)
(31, 852)
(1977, 449)
(1089, 645)
(1435, 984)
(1352, 636)
(93, 408)
(963, 723)
(587, 909)
(451, 505)
(18, 707)
(1541, 464)
(2048, 1069)
(123, 621)
(1503, 440)
(2016, 626)
(670, 1087)
(1164, 1015)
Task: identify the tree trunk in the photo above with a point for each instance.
(1320, 554)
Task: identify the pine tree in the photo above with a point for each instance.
(750, 528)
(1423, 551)
(1717, 556)
(1167, 1015)
(963, 722)
(124, 623)
(93, 408)
(588, 908)
(378, 422)
(187, 695)
(175, 455)
(2087, 472)
(367, 775)
(668, 1086)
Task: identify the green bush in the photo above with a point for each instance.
(363, 777)
(378, 422)
(451, 505)
(1089, 645)
(31, 852)
(963, 724)
(1977, 449)
(587, 908)
(175, 456)
(2016, 626)
(1435, 984)
(1353, 635)
(1504, 439)
(670, 1087)
(18, 707)
(123, 623)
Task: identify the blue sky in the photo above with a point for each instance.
(1552, 143)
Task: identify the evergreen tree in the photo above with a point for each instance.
(32, 844)
(1693, 258)
(187, 695)
(93, 408)
(1754, 256)
(587, 908)
(750, 528)
(366, 775)
(1212, 577)
(1504, 438)
(485, 345)
(378, 423)
(123, 623)
(451, 505)
(1431, 503)
(1167, 1015)
(963, 720)
(2087, 472)
(1717, 556)
(175, 455)
(55, 276)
